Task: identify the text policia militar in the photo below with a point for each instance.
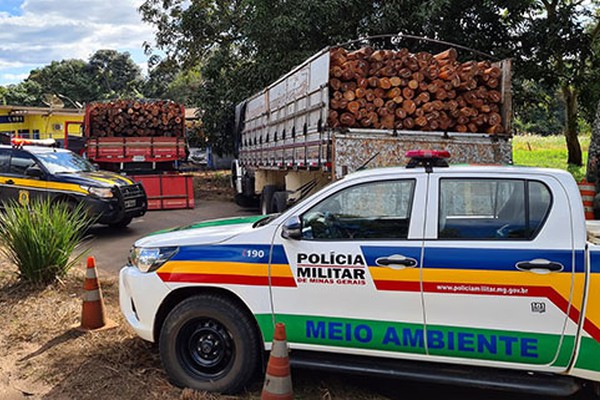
(332, 268)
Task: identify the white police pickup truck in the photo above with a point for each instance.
(471, 275)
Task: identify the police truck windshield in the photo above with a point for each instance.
(64, 162)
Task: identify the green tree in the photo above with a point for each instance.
(26, 93)
(186, 86)
(160, 77)
(73, 79)
(244, 45)
(117, 74)
(558, 40)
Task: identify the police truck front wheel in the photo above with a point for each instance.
(208, 343)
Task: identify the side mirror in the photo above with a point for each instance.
(34, 172)
(96, 166)
(292, 229)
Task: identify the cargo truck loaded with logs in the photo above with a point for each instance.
(358, 105)
(144, 139)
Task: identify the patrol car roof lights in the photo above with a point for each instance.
(427, 159)
(148, 259)
(20, 142)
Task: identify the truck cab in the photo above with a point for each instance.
(423, 271)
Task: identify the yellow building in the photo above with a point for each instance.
(40, 122)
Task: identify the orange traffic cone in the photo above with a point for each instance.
(93, 317)
(278, 380)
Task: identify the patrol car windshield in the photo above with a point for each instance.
(64, 162)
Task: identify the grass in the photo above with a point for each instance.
(40, 238)
(548, 152)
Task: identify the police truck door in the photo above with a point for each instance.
(498, 270)
(357, 270)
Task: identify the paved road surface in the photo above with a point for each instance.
(111, 247)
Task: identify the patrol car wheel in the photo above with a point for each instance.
(208, 343)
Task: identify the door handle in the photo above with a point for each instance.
(9, 182)
(539, 266)
(396, 261)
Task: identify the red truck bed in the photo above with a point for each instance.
(135, 149)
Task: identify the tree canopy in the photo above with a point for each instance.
(219, 52)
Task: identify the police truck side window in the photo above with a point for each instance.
(19, 162)
(4, 159)
(378, 210)
(499, 209)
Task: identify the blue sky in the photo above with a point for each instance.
(35, 32)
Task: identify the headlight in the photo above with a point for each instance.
(105, 193)
(148, 259)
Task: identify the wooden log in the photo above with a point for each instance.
(384, 83)
(373, 81)
(409, 106)
(449, 54)
(347, 119)
(395, 81)
(353, 107)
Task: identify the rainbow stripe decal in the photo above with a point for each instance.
(229, 264)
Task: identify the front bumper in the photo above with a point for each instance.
(129, 201)
(140, 296)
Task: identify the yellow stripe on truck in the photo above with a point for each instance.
(32, 183)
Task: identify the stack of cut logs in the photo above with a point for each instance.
(136, 118)
(385, 89)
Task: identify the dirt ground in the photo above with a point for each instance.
(43, 357)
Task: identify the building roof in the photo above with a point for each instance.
(24, 110)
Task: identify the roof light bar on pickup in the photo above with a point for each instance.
(427, 159)
(17, 142)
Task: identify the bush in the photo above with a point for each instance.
(40, 238)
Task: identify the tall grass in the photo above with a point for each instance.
(548, 152)
(40, 238)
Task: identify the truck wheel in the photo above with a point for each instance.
(208, 343)
(279, 202)
(244, 201)
(122, 223)
(266, 198)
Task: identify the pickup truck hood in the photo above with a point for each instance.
(206, 232)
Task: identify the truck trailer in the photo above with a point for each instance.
(341, 111)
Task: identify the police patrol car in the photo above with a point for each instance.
(472, 275)
(33, 169)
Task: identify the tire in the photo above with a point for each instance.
(266, 198)
(122, 223)
(279, 202)
(208, 343)
(244, 201)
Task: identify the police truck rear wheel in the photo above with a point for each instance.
(208, 343)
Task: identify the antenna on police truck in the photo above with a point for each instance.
(368, 161)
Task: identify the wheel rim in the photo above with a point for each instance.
(205, 348)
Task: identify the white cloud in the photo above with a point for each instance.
(50, 30)
(12, 78)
